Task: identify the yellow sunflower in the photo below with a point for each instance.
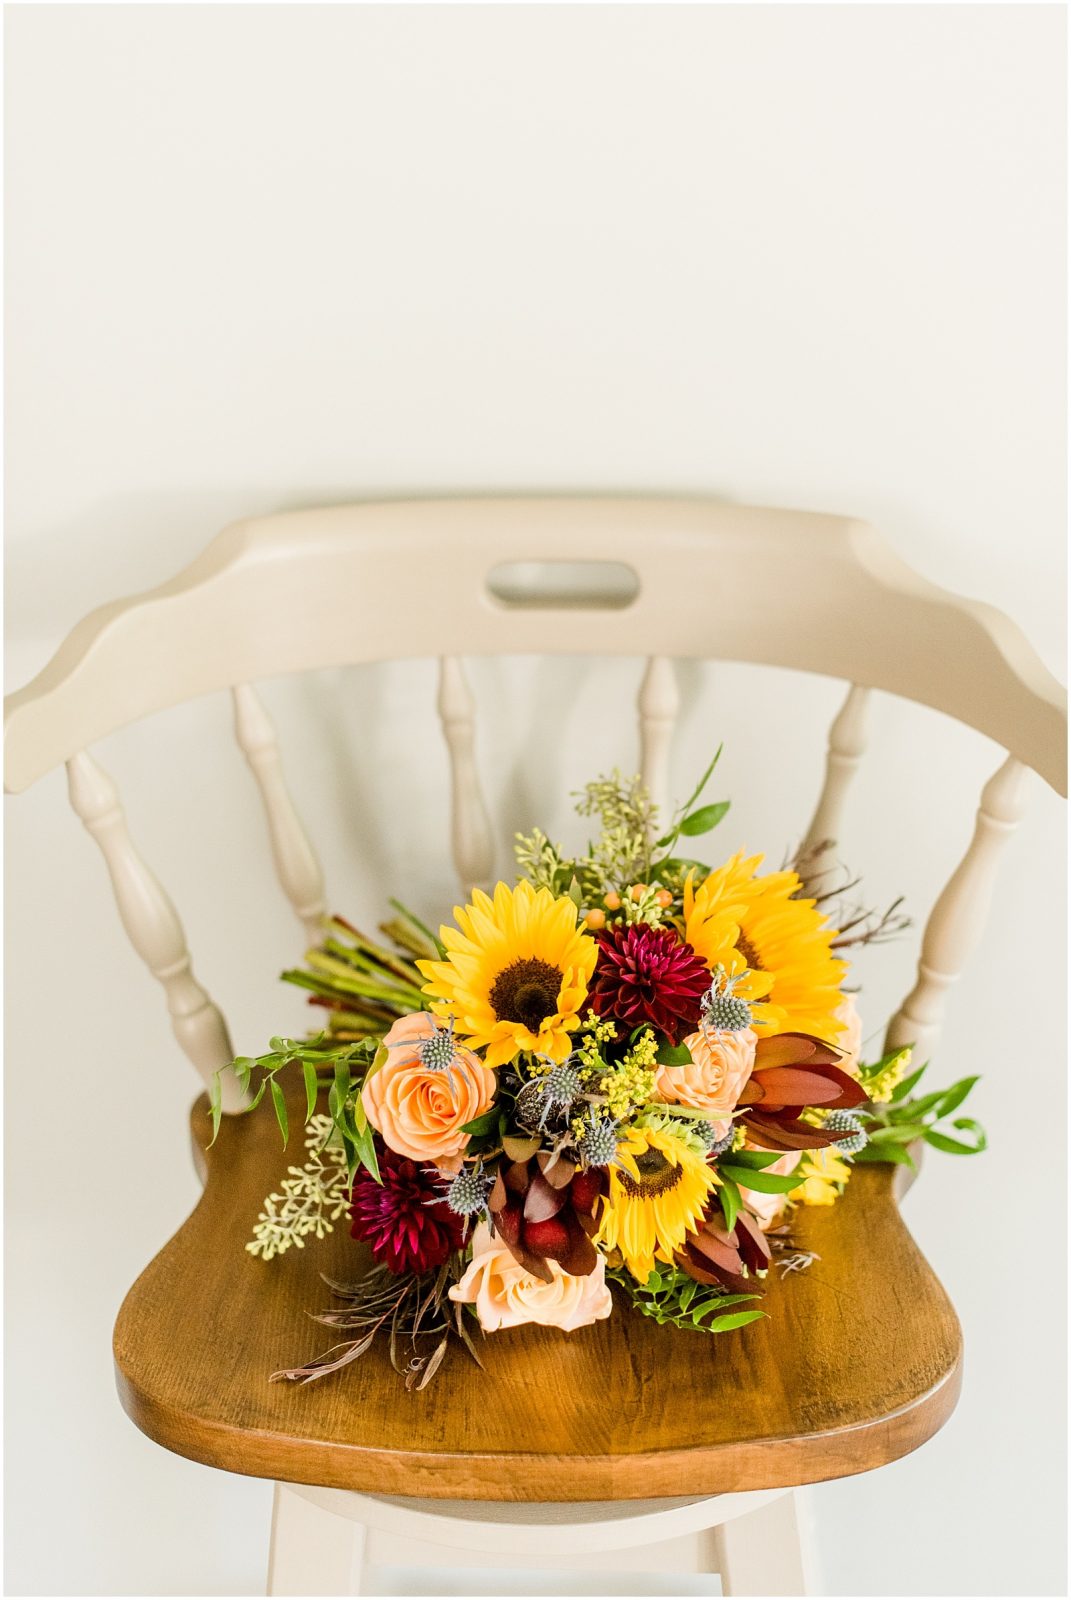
(516, 975)
(658, 1193)
(739, 920)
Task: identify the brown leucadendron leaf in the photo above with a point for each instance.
(799, 1086)
(520, 1149)
(707, 1261)
(508, 1224)
(752, 1242)
(795, 1050)
(722, 1254)
(542, 1200)
(785, 1134)
(582, 1257)
(558, 1170)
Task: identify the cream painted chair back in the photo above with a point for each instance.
(322, 588)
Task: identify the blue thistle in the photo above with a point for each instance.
(467, 1194)
(598, 1142)
(439, 1050)
(845, 1122)
(716, 1144)
(722, 1011)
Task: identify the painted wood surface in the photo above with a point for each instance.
(659, 705)
(296, 865)
(816, 593)
(958, 918)
(847, 743)
(152, 925)
(470, 826)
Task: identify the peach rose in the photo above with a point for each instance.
(421, 1111)
(767, 1208)
(851, 1039)
(713, 1080)
(505, 1295)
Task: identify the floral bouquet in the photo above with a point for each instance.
(626, 1070)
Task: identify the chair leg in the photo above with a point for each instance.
(313, 1552)
(761, 1553)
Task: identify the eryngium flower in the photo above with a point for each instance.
(405, 1220)
(650, 975)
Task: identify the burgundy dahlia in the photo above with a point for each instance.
(646, 974)
(404, 1220)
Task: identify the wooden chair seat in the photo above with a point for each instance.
(857, 1364)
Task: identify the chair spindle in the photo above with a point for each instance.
(296, 865)
(659, 703)
(847, 742)
(470, 827)
(958, 917)
(152, 926)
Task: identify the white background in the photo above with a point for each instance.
(259, 257)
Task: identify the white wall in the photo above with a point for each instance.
(265, 256)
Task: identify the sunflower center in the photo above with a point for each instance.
(526, 991)
(749, 953)
(657, 1176)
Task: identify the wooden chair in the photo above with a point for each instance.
(670, 1450)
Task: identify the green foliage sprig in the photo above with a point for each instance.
(671, 1296)
(690, 823)
(624, 853)
(341, 1067)
(893, 1124)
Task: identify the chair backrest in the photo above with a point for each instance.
(515, 575)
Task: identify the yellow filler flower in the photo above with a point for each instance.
(824, 1175)
(738, 920)
(658, 1194)
(516, 975)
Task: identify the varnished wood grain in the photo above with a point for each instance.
(859, 1363)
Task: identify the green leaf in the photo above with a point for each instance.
(483, 1124)
(761, 1182)
(687, 1294)
(704, 819)
(342, 1079)
(903, 1133)
(954, 1097)
(364, 1145)
(905, 1086)
(735, 1319)
(729, 1199)
(673, 1055)
(757, 1160)
(311, 1088)
(360, 1115)
(576, 894)
(215, 1106)
(669, 839)
(378, 1060)
(912, 1110)
(278, 1100)
(954, 1147)
(886, 1152)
